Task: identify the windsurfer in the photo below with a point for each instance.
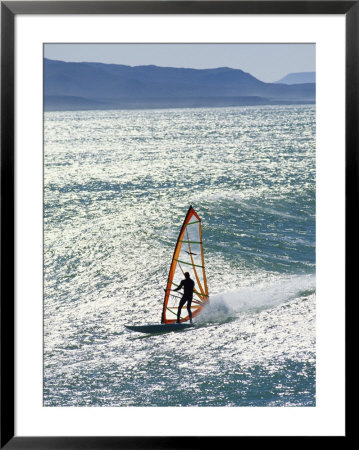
(188, 286)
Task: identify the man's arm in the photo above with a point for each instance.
(179, 287)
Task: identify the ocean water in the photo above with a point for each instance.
(117, 186)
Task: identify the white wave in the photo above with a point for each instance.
(257, 297)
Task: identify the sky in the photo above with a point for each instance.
(267, 62)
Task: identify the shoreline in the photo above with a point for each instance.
(177, 107)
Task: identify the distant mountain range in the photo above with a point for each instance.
(83, 86)
(298, 78)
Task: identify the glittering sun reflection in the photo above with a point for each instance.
(117, 187)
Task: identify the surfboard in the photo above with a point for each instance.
(159, 328)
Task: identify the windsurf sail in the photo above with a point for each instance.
(187, 257)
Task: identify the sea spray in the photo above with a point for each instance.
(257, 298)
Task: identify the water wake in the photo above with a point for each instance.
(256, 298)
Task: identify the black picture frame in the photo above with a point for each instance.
(9, 9)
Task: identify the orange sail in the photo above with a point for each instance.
(187, 257)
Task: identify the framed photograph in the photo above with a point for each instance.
(176, 187)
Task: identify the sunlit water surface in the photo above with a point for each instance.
(117, 186)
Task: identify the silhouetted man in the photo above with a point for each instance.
(188, 286)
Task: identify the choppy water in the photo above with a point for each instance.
(117, 186)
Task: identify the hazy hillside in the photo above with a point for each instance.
(104, 86)
(298, 78)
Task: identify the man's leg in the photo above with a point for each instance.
(189, 310)
(181, 303)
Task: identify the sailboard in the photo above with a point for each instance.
(159, 327)
(187, 257)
